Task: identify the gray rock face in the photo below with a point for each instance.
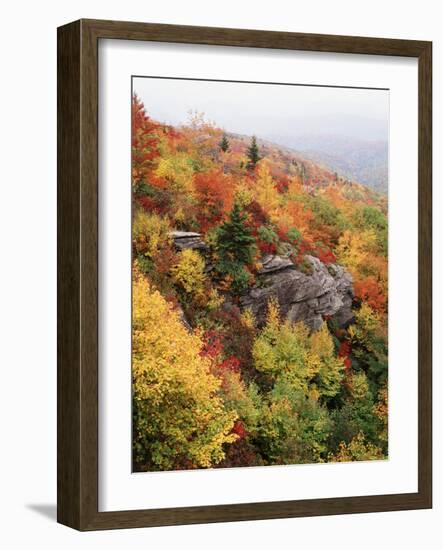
(272, 263)
(188, 239)
(302, 297)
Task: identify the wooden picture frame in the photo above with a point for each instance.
(78, 274)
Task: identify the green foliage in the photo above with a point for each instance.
(371, 217)
(326, 213)
(235, 247)
(253, 153)
(293, 428)
(244, 400)
(235, 241)
(307, 361)
(369, 346)
(224, 144)
(357, 415)
(267, 234)
(294, 235)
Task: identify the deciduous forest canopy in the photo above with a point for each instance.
(259, 302)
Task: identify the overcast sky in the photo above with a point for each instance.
(270, 111)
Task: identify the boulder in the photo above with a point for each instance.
(327, 291)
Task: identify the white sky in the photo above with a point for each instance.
(281, 112)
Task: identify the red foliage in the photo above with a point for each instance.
(232, 363)
(164, 260)
(326, 256)
(282, 184)
(213, 344)
(256, 216)
(305, 247)
(266, 248)
(240, 453)
(344, 351)
(147, 203)
(159, 204)
(239, 429)
(145, 139)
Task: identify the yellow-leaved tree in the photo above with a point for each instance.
(178, 417)
(266, 191)
(307, 361)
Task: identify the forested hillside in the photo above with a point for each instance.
(259, 304)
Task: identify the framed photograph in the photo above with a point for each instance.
(244, 274)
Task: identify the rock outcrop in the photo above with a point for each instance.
(188, 239)
(327, 291)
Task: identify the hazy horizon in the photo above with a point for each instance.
(277, 112)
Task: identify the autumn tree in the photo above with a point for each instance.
(145, 141)
(266, 191)
(306, 361)
(253, 153)
(178, 418)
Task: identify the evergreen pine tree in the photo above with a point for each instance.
(224, 144)
(253, 153)
(235, 241)
(236, 247)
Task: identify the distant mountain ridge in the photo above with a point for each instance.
(366, 162)
(319, 168)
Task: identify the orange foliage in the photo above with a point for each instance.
(214, 191)
(371, 291)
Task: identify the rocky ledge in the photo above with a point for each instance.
(188, 239)
(327, 291)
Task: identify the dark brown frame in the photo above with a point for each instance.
(77, 455)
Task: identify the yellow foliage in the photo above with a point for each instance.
(306, 360)
(189, 272)
(177, 170)
(149, 232)
(356, 250)
(247, 318)
(367, 322)
(214, 299)
(266, 191)
(243, 195)
(357, 449)
(178, 415)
